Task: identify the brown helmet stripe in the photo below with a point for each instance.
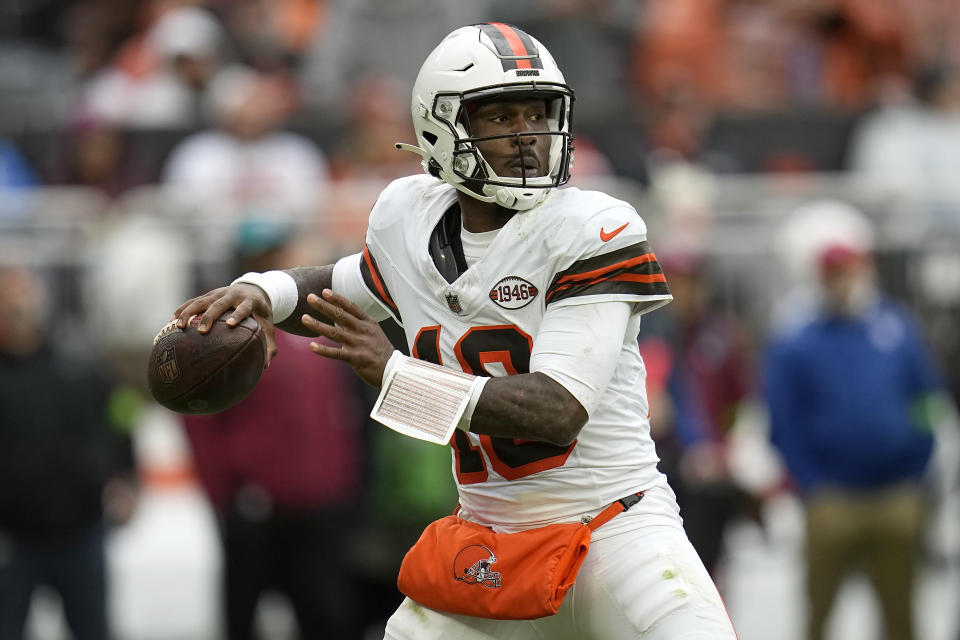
(516, 49)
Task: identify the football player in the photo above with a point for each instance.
(533, 295)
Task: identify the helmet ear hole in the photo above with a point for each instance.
(430, 137)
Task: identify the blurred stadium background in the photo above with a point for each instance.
(141, 139)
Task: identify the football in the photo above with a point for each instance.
(190, 372)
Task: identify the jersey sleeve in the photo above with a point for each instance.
(352, 277)
(579, 346)
(609, 259)
(360, 276)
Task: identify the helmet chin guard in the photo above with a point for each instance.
(489, 62)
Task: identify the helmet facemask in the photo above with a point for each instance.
(475, 172)
(486, 63)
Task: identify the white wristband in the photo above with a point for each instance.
(464, 424)
(390, 370)
(281, 290)
(426, 401)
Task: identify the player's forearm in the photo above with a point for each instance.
(309, 280)
(531, 406)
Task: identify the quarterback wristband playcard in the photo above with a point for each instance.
(424, 400)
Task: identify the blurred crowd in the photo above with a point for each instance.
(213, 137)
(677, 78)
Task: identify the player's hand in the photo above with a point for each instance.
(245, 300)
(361, 342)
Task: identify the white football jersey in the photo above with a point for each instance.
(576, 247)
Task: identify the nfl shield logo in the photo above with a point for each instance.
(454, 303)
(167, 365)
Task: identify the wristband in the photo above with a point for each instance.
(281, 290)
(475, 391)
(424, 400)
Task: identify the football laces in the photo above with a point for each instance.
(168, 328)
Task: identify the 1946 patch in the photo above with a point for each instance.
(513, 292)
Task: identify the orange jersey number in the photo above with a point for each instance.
(479, 347)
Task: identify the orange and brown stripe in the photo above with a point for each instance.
(374, 281)
(632, 270)
(517, 50)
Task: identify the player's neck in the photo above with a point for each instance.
(478, 216)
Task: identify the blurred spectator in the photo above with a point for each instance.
(378, 117)
(15, 171)
(743, 54)
(840, 52)
(96, 154)
(708, 378)
(700, 61)
(685, 194)
(92, 30)
(590, 161)
(128, 251)
(248, 165)
(275, 32)
(158, 78)
(679, 42)
(16, 174)
(677, 65)
(64, 466)
(848, 382)
(934, 31)
(284, 472)
(362, 36)
(695, 60)
(911, 145)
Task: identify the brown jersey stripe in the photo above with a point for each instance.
(635, 270)
(586, 265)
(618, 285)
(374, 281)
(643, 278)
(627, 257)
(645, 259)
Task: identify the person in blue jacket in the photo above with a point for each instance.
(847, 389)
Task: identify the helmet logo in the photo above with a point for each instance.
(513, 292)
(473, 566)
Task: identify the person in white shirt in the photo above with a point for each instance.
(248, 165)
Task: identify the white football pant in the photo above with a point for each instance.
(642, 583)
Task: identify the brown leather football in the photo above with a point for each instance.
(190, 372)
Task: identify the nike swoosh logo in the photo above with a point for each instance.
(607, 237)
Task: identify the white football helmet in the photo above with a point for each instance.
(484, 62)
